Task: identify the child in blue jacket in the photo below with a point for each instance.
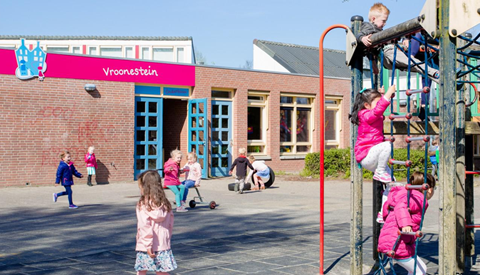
(65, 173)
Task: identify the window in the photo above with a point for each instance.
(76, 50)
(58, 49)
(114, 51)
(129, 52)
(221, 94)
(295, 124)
(257, 122)
(332, 122)
(180, 57)
(145, 53)
(92, 50)
(163, 54)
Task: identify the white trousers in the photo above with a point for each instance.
(409, 265)
(377, 158)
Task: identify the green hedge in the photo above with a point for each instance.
(337, 163)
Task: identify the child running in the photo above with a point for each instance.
(193, 174)
(154, 227)
(65, 173)
(172, 171)
(91, 163)
(241, 163)
(371, 149)
(262, 174)
(404, 216)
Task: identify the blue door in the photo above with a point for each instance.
(197, 131)
(148, 134)
(221, 136)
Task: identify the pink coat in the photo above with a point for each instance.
(397, 217)
(370, 129)
(171, 177)
(90, 160)
(154, 229)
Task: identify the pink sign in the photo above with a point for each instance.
(99, 68)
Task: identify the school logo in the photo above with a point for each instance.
(30, 63)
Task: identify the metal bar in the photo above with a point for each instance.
(356, 224)
(396, 32)
(469, 203)
(322, 141)
(447, 171)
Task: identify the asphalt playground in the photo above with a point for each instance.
(275, 231)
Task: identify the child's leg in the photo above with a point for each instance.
(181, 194)
(377, 157)
(188, 184)
(410, 264)
(143, 272)
(175, 191)
(237, 182)
(260, 181)
(68, 189)
(241, 183)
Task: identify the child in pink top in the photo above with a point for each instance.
(371, 149)
(91, 163)
(193, 174)
(399, 214)
(154, 227)
(172, 172)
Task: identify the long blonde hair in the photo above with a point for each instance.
(153, 194)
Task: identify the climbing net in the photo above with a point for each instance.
(468, 67)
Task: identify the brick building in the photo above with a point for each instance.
(138, 111)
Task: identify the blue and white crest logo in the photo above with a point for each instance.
(30, 63)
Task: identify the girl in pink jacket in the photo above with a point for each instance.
(172, 171)
(154, 227)
(371, 149)
(399, 215)
(91, 163)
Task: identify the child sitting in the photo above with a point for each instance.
(378, 17)
(193, 174)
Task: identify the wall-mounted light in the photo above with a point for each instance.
(90, 87)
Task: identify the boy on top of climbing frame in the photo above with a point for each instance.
(377, 17)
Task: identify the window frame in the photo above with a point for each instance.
(162, 47)
(263, 104)
(293, 143)
(337, 107)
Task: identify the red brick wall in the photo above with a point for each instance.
(40, 119)
(243, 81)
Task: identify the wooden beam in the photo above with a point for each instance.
(418, 128)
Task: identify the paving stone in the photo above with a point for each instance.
(299, 269)
(251, 266)
(212, 271)
(200, 264)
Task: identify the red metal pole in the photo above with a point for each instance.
(322, 138)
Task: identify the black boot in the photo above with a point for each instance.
(89, 181)
(421, 114)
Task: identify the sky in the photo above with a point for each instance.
(222, 30)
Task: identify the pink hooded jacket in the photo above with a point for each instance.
(370, 129)
(154, 229)
(397, 217)
(171, 177)
(90, 160)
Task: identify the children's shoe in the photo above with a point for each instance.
(181, 209)
(380, 218)
(383, 177)
(55, 197)
(73, 206)
(240, 192)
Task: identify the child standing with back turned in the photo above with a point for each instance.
(241, 163)
(154, 227)
(371, 149)
(65, 173)
(399, 214)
